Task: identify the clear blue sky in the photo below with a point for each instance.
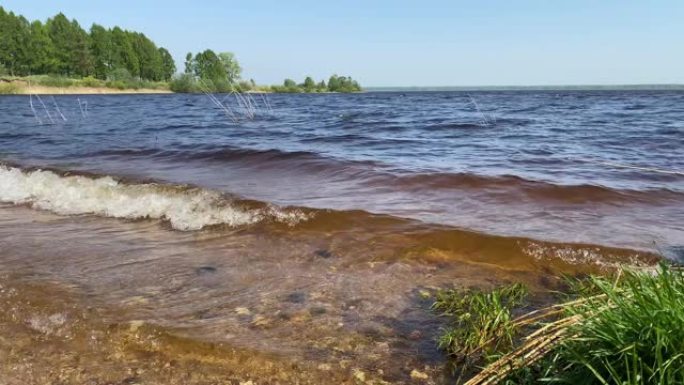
(404, 43)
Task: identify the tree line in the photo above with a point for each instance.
(208, 71)
(125, 59)
(335, 84)
(60, 46)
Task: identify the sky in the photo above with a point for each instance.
(410, 43)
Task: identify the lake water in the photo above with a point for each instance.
(305, 225)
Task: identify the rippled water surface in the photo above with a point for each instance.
(597, 167)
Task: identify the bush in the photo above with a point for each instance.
(120, 74)
(244, 86)
(90, 81)
(52, 81)
(118, 84)
(222, 86)
(184, 83)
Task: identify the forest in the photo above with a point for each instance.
(60, 53)
(62, 47)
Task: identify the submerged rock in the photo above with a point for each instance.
(323, 253)
(296, 297)
(205, 270)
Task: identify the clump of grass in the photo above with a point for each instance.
(52, 80)
(9, 88)
(627, 330)
(90, 81)
(632, 334)
(480, 324)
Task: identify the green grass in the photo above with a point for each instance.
(51, 81)
(621, 330)
(89, 81)
(9, 88)
(633, 333)
(480, 323)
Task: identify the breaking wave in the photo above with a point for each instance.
(183, 207)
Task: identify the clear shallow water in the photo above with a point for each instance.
(596, 167)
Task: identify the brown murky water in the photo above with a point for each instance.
(341, 299)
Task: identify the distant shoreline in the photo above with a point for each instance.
(589, 87)
(21, 87)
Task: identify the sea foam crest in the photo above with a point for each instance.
(183, 208)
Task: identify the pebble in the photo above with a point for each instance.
(260, 320)
(359, 375)
(242, 311)
(135, 325)
(417, 375)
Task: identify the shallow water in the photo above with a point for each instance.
(315, 233)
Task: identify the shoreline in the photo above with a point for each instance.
(21, 88)
(43, 90)
(89, 86)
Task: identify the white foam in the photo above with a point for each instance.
(183, 208)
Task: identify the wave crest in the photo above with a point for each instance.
(184, 208)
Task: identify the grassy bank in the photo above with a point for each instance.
(47, 84)
(623, 330)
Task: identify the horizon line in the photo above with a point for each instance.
(534, 86)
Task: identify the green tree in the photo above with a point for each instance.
(343, 84)
(14, 39)
(71, 46)
(168, 66)
(103, 50)
(81, 58)
(124, 55)
(231, 66)
(41, 60)
(5, 43)
(149, 60)
(322, 87)
(189, 63)
(59, 30)
(309, 84)
(333, 83)
(208, 66)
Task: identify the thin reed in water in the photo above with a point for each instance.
(33, 109)
(46, 109)
(59, 111)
